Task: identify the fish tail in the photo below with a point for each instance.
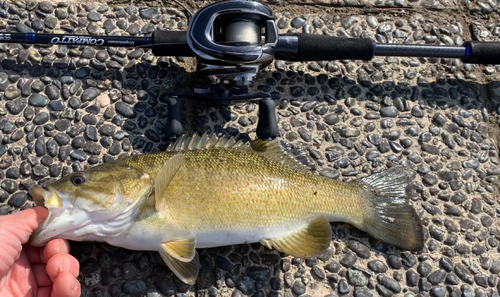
(390, 217)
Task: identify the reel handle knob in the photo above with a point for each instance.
(175, 117)
(267, 127)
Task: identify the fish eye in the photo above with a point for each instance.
(78, 180)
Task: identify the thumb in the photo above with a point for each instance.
(21, 224)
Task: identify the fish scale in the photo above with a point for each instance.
(261, 194)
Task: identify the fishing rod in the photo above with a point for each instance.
(233, 40)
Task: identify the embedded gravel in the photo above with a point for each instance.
(64, 109)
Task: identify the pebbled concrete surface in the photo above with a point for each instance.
(64, 109)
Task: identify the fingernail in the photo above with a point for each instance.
(64, 266)
(59, 247)
(75, 285)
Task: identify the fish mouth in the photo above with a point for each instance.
(50, 200)
(43, 197)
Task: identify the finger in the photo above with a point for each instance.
(22, 223)
(41, 276)
(55, 246)
(44, 291)
(33, 254)
(65, 285)
(60, 263)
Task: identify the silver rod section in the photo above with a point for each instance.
(414, 50)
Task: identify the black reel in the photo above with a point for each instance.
(232, 41)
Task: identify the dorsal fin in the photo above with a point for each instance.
(206, 141)
(280, 152)
(275, 150)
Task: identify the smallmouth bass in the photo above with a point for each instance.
(206, 191)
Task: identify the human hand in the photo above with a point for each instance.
(48, 271)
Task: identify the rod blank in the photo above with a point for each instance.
(73, 39)
(414, 50)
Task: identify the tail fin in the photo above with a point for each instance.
(391, 218)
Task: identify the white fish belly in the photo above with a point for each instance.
(216, 239)
(233, 237)
(138, 238)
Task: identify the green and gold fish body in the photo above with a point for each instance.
(265, 199)
(208, 192)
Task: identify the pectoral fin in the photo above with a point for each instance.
(310, 241)
(164, 177)
(182, 250)
(185, 271)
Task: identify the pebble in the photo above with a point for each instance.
(348, 260)
(40, 171)
(16, 106)
(331, 119)
(394, 262)
(372, 21)
(103, 100)
(305, 134)
(349, 21)
(343, 287)
(389, 283)
(134, 287)
(91, 132)
(437, 276)
(389, 112)
(298, 22)
(90, 94)
(9, 186)
(245, 285)
(298, 287)
(417, 112)
(412, 278)
(18, 199)
(438, 291)
(360, 249)
(258, 273)
(148, 13)
(377, 266)
(356, 278)
(125, 110)
(13, 173)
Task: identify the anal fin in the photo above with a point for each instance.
(186, 271)
(310, 241)
(182, 250)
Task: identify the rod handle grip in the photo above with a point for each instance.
(170, 43)
(316, 47)
(478, 52)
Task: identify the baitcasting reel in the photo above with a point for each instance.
(232, 41)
